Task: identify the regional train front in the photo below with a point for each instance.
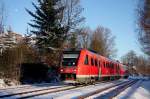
(68, 68)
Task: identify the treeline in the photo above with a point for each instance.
(143, 22)
(100, 40)
(55, 26)
(136, 64)
(143, 30)
(11, 60)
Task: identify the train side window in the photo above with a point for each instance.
(92, 61)
(96, 64)
(104, 64)
(86, 62)
(99, 64)
(107, 65)
(112, 65)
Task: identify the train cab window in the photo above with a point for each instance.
(92, 61)
(86, 62)
(70, 59)
(96, 64)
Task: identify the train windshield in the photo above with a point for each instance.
(70, 59)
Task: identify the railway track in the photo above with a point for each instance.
(38, 91)
(113, 91)
(29, 86)
(69, 94)
(48, 90)
(26, 93)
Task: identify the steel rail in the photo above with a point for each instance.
(50, 91)
(101, 90)
(38, 92)
(24, 86)
(31, 91)
(116, 91)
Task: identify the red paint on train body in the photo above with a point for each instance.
(86, 66)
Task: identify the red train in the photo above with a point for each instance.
(84, 66)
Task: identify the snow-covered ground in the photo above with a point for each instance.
(141, 90)
(24, 88)
(74, 93)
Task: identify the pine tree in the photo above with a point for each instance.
(46, 23)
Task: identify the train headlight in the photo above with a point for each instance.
(74, 70)
(61, 70)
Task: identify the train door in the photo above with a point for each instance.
(99, 69)
(91, 68)
(96, 69)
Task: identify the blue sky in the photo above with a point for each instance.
(117, 15)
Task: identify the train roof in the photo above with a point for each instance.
(69, 51)
(77, 51)
(94, 52)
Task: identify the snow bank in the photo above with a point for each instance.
(2, 83)
(141, 90)
(7, 83)
(139, 77)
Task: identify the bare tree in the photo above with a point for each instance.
(84, 37)
(71, 16)
(1, 17)
(130, 58)
(144, 25)
(102, 41)
(73, 41)
(142, 64)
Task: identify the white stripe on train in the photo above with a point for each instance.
(85, 76)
